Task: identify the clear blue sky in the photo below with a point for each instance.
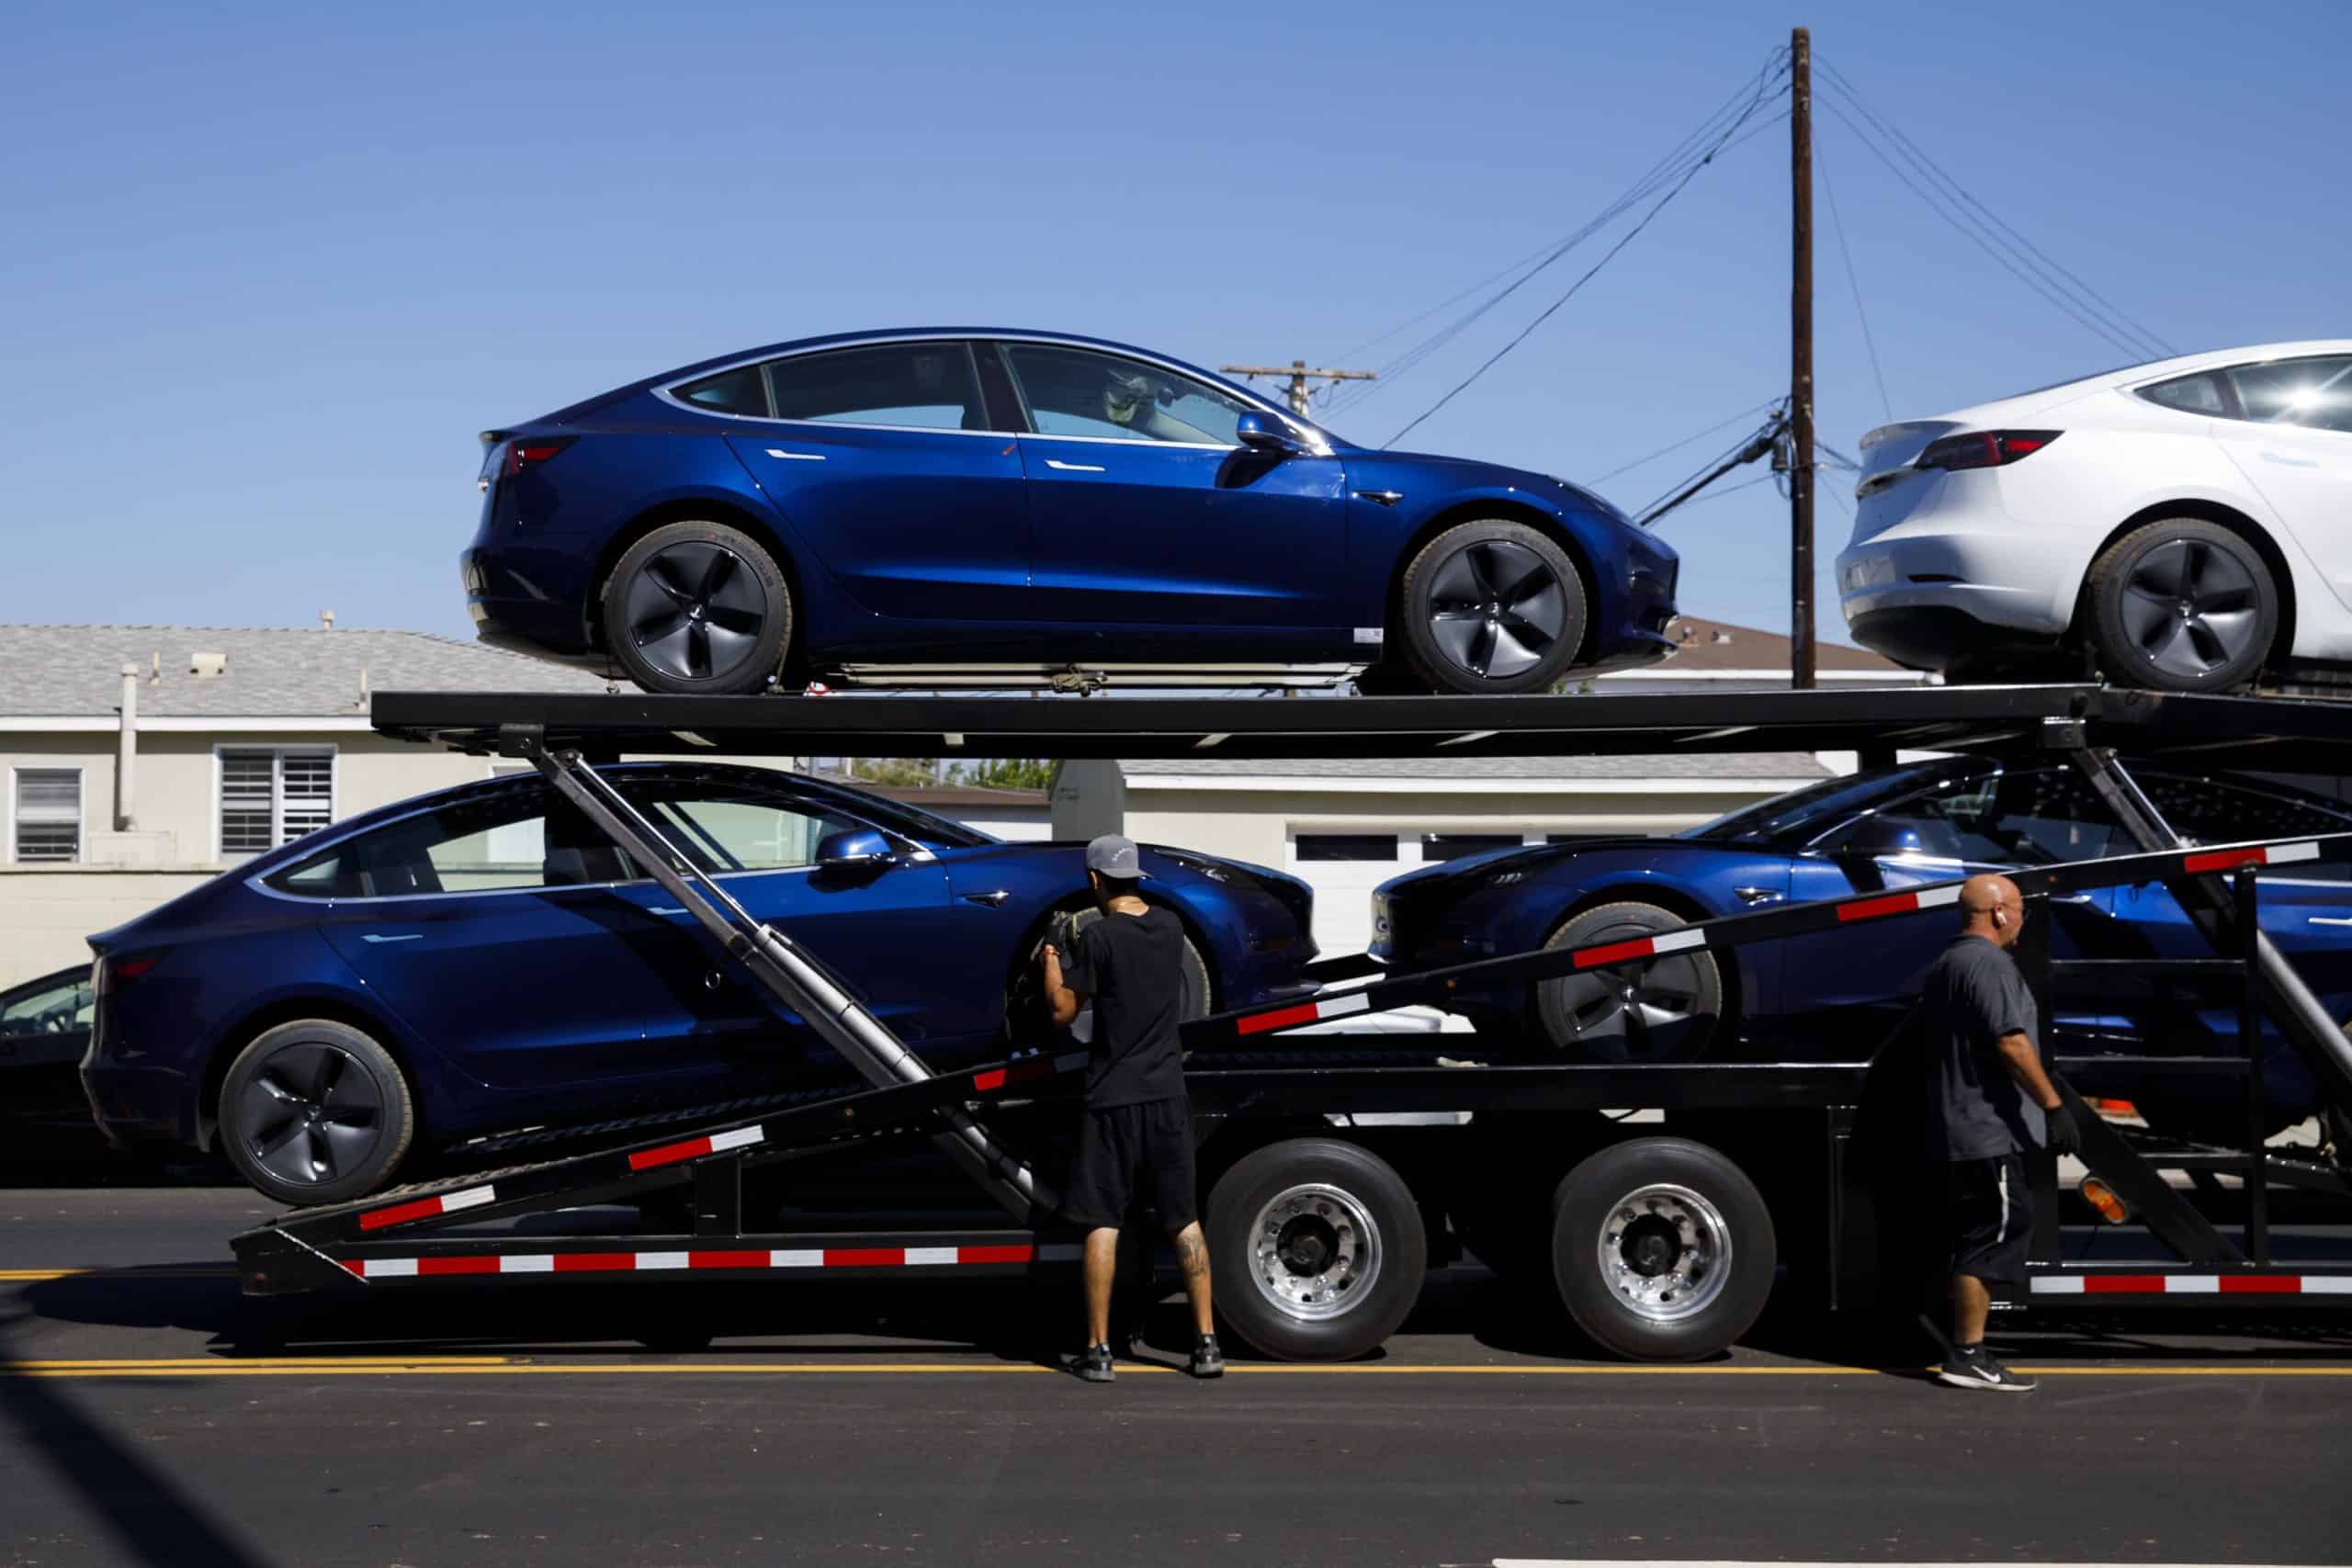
(268, 269)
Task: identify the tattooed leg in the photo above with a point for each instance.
(1192, 1257)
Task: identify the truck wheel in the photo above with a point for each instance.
(1317, 1247)
(315, 1112)
(1665, 1010)
(1662, 1249)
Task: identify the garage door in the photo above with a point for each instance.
(1344, 865)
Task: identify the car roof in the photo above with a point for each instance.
(891, 334)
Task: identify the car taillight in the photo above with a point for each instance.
(1983, 448)
(529, 454)
(111, 975)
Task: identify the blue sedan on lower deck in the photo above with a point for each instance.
(963, 506)
(483, 960)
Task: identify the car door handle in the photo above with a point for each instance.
(664, 909)
(2072, 899)
(1073, 467)
(412, 936)
(1758, 894)
(993, 900)
(795, 457)
(2329, 920)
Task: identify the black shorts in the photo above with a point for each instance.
(1992, 1217)
(1123, 1148)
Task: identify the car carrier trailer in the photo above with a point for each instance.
(1335, 1166)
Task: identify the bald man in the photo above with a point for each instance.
(1991, 1104)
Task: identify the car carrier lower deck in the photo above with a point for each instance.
(1335, 1166)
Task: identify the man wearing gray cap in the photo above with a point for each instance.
(1138, 1126)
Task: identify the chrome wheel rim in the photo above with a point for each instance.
(1634, 1012)
(1314, 1251)
(2189, 607)
(1665, 1252)
(1496, 609)
(312, 1113)
(696, 611)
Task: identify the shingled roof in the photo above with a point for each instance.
(265, 672)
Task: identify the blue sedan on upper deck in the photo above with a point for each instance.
(965, 506)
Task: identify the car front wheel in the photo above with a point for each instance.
(315, 1111)
(698, 608)
(1661, 1010)
(1492, 608)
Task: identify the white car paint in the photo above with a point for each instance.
(2009, 546)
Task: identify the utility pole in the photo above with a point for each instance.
(1801, 659)
(1299, 375)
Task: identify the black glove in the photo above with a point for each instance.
(2064, 1137)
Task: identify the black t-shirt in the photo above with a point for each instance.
(1133, 968)
(1973, 996)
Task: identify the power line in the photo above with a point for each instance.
(2030, 280)
(1675, 190)
(1852, 282)
(1678, 162)
(1746, 414)
(2114, 311)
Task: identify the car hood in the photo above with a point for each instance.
(1471, 871)
(1471, 473)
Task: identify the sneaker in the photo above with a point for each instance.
(1208, 1361)
(1973, 1367)
(1094, 1364)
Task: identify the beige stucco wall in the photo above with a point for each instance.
(45, 914)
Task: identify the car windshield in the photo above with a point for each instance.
(914, 822)
(1801, 813)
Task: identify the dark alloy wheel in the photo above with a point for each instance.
(1665, 1009)
(1492, 607)
(315, 1112)
(698, 607)
(2182, 605)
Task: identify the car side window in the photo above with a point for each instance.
(2315, 394)
(740, 390)
(507, 840)
(930, 386)
(1079, 391)
(2204, 393)
(52, 1010)
(723, 830)
(2034, 816)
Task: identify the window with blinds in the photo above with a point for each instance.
(272, 796)
(48, 817)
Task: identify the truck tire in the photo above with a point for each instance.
(1662, 1249)
(1317, 1248)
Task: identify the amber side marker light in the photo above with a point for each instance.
(2100, 1196)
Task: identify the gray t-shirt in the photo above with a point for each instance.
(1973, 996)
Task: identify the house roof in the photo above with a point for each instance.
(266, 671)
(1702, 645)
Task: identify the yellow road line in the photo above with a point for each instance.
(35, 1275)
(495, 1366)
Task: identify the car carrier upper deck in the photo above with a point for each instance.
(1337, 1164)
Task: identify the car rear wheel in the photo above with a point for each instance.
(698, 608)
(1665, 1009)
(2181, 605)
(315, 1112)
(1492, 608)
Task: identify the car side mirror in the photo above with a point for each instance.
(1264, 432)
(1875, 837)
(859, 849)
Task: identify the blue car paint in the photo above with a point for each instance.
(516, 1005)
(1834, 995)
(919, 545)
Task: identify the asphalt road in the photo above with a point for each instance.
(926, 1425)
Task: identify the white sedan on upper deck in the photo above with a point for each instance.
(2185, 526)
